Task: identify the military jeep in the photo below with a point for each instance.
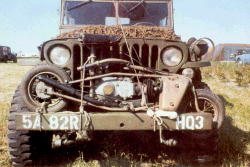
(115, 66)
(6, 55)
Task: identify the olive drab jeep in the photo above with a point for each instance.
(6, 55)
(114, 66)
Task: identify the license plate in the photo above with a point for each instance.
(50, 122)
(110, 121)
(190, 122)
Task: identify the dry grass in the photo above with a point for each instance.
(234, 148)
(229, 71)
(10, 77)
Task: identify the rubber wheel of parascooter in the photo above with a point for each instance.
(208, 102)
(24, 145)
(31, 88)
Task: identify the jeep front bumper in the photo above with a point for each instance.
(109, 121)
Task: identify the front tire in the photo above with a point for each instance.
(208, 103)
(204, 143)
(25, 145)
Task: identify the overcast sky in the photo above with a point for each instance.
(25, 24)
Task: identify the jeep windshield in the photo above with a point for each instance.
(109, 13)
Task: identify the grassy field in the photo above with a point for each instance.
(10, 77)
(234, 147)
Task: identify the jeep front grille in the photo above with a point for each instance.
(144, 52)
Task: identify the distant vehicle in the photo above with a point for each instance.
(224, 52)
(241, 56)
(6, 55)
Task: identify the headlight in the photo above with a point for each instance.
(59, 55)
(188, 72)
(171, 56)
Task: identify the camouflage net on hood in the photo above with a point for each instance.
(130, 32)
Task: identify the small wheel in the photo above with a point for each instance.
(208, 102)
(34, 93)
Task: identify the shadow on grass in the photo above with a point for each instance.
(125, 148)
(234, 143)
(225, 102)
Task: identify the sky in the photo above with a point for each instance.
(26, 24)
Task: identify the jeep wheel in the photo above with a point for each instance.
(208, 102)
(204, 143)
(5, 59)
(32, 88)
(25, 145)
(14, 59)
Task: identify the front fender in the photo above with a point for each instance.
(196, 64)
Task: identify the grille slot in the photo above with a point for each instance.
(143, 54)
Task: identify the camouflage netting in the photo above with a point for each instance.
(130, 32)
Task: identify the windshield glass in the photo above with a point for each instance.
(104, 13)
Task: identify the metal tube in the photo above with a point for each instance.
(125, 62)
(117, 74)
(94, 105)
(73, 91)
(113, 60)
(81, 48)
(91, 71)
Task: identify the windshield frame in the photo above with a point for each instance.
(66, 28)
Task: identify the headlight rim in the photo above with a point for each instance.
(168, 48)
(58, 46)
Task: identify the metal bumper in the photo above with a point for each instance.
(110, 121)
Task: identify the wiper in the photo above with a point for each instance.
(134, 7)
(80, 5)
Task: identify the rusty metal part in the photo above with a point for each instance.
(108, 90)
(173, 92)
(130, 32)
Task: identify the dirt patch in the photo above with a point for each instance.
(130, 32)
